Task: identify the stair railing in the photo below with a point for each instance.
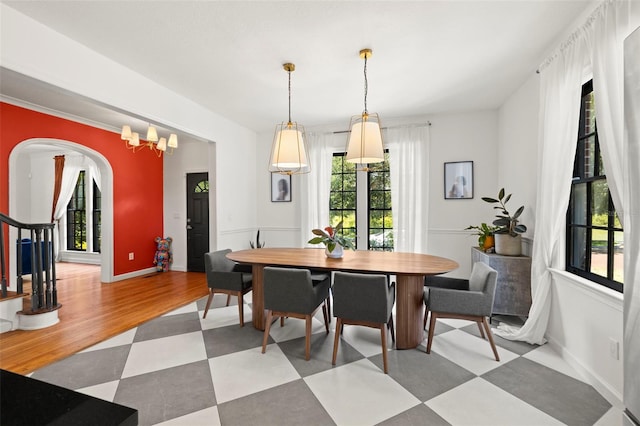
(44, 295)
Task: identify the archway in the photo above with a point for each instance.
(31, 145)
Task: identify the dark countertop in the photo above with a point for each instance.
(27, 401)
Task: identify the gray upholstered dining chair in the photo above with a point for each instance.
(470, 299)
(290, 292)
(226, 277)
(363, 299)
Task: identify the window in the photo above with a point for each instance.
(97, 218)
(595, 240)
(366, 195)
(84, 216)
(77, 217)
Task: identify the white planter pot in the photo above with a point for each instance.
(336, 253)
(507, 245)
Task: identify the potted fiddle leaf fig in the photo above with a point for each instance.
(508, 238)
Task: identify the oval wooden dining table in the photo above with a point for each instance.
(409, 269)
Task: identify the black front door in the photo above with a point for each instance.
(197, 220)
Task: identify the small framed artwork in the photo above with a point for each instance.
(280, 188)
(458, 180)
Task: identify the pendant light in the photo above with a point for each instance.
(289, 154)
(364, 141)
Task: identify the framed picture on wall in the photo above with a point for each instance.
(280, 188)
(458, 180)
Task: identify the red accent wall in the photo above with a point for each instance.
(137, 179)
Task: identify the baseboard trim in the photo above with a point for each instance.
(603, 388)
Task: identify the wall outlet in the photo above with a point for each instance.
(131, 256)
(614, 349)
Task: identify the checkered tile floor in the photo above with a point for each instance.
(179, 369)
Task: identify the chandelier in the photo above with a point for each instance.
(364, 141)
(155, 144)
(289, 154)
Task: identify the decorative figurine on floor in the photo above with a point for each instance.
(163, 257)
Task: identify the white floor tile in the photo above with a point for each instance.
(469, 351)
(360, 394)
(191, 307)
(243, 373)
(223, 317)
(548, 357)
(479, 402)
(365, 340)
(119, 340)
(294, 328)
(166, 352)
(451, 322)
(208, 417)
(106, 391)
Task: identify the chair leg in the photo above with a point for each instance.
(324, 313)
(209, 299)
(267, 327)
(383, 335)
(432, 327)
(424, 321)
(281, 321)
(481, 330)
(329, 305)
(391, 328)
(336, 340)
(229, 299)
(490, 336)
(307, 338)
(240, 308)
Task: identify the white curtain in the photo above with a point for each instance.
(94, 172)
(560, 93)
(597, 45)
(73, 164)
(316, 185)
(632, 212)
(610, 24)
(409, 172)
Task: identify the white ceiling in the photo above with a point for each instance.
(428, 56)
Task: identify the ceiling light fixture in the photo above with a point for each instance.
(155, 144)
(364, 141)
(289, 154)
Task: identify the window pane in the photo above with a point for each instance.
(589, 156)
(349, 200)
(618, 257)
(376, 200)
(599, 250)
(589, 106)
(579, 247)
(376, 219)
(578, 204)
(600, 203)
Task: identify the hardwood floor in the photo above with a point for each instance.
(92, 312)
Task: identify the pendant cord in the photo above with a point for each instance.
(289, 72)
(366, 84)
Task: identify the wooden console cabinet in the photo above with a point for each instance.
(513, 292)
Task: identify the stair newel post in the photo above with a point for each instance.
(36, 262)
(19, 262)
(54, 294)
(47, 270)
